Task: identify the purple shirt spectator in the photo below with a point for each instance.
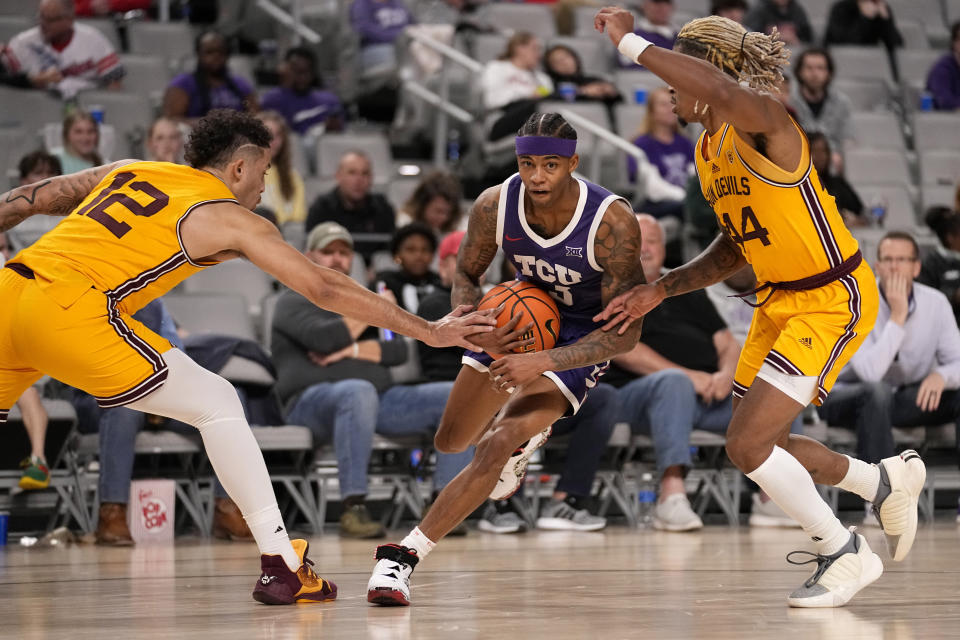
(672, 160)
(303, 110)
(943, 82)
(379, 22)
(229, 96)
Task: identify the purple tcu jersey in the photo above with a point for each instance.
(563, 265)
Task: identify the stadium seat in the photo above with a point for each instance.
(914, 35)
(11, 25)
(936, 195)
(400, 190)
(818, 9)
(14, 143)
(901, 212)
(151, 38)
(878, 131)
(536, 18)
(233, 277)
(488, 46)
(876, 166)
(929, 13)
(129, 113)
(146, 75)
(18, 7)
(629, 80)
(211, 313)
(331, 147)
(30, 110)
(861, 63)
(953, 10)
(940, 167)
(915, 64)
(865, 95)
(936, 130)
(595, 53)
(629, 118)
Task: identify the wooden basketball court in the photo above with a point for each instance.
(619, 583)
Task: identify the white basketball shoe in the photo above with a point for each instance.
(515, 470)
(895, 506)
(839, 576)
(390, 582)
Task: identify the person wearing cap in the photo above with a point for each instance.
(333, 376)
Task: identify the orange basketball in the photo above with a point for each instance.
(533, 304)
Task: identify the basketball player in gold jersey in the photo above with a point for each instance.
(817, 301)
(133, 230)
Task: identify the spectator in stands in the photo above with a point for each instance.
(848, 202)
(513, 85)
(788, 16)
(563, 65)
(210, 85)
(12, 76)
(164, 141)
(590, 427)
(907, 371)
(36, 473)
(35, 166)
(436, 203)
(685, 361)
(81, 137)
(735, 10)
(654, 25)
(943, 81)
(64, 56)
(118, 429)
(283, 191)
(941, 268)
(333, 377)
(352, 204)
(862, 22)
(303, 103)
(379, 23)
(819, 107)
(670, 152)
(413, 247)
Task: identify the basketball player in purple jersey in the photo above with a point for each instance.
(580, 243)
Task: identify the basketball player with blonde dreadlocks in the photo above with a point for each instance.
(816, 304)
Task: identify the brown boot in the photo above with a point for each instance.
(228, 522)
(112, 529)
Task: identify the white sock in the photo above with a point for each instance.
(419, 542)
(193, 395)
(862, 479)
(790, 486)
(267, 528)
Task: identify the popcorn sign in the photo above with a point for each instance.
(151, 510)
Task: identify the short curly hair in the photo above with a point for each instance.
(218, 135)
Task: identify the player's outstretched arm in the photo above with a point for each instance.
(54, 196)
(718, 262)
(617, 250)
(225, 230)
(743, 107)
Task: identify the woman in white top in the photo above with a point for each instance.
(283, 191)
(513, 84)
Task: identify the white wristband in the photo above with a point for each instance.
(356, 349)
(632, 45)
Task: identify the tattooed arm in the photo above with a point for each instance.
(617, 249)
(55, 196)
(718, 262)
(477, 250)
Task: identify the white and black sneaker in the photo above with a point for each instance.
(839, 576)
(390, 583)
(515, 470)
(895, 505)
(558, 515)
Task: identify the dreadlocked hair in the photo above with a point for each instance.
(548, 125)
(747, 56)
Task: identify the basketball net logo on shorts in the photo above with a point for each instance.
(153, 512)
(565, 277)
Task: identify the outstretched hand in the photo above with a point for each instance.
(617, 22)
(451, 330)
(629, 306)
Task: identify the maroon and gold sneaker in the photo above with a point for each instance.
(279, 585)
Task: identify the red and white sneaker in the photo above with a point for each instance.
(390, 583)
(516, 468)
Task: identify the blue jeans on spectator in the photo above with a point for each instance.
(416, 409)
(346, 412)
(591, 428)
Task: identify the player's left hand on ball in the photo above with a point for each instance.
(451, 330)
(515, 370)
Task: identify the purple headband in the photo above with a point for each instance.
(545, 146)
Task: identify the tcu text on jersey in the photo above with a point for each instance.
(561, 277)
